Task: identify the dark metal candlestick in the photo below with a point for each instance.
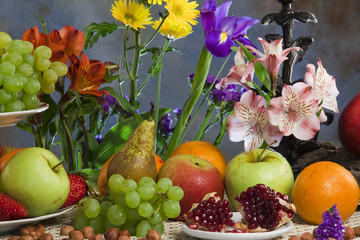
(290, 147)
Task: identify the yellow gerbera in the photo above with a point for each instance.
(172, 30)
(134, 15)
(182, 11)
(155, 2)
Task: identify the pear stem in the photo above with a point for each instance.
(152, 109)
(267, 147)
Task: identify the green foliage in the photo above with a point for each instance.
(95, 30)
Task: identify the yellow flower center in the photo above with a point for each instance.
(223, 37)
(178, 10)
(130, 17)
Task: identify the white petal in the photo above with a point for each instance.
(307, 128)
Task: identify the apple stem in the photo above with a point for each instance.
(54, 167)
(266, 148)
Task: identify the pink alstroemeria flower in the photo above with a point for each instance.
(273, 56)
(295, 111)
(241, 73)
(324, 87)
(249, 123)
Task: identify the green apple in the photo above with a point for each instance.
(36, 178)
(257, 166)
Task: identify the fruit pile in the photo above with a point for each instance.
(136, 207)
(25, 72)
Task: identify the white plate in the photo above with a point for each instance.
(7, 226)
(8, 119)
(238, 236)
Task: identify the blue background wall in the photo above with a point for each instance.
(336, 41)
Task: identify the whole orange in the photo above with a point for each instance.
(6, 157)
(322, 184)
(102, 179)
(204, 150)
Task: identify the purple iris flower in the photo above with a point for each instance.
(221, 31)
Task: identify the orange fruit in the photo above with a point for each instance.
(6, 157)
(102, 179)
(204, 150)
(322, 184)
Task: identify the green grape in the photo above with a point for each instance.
(109, 225)
(92, 208)
(112, 196)
(25, 68)
(1, 79)
(146, 192)
(163, 185)
(22, 78)
(130, 226)
(128, 185)
(12, 57)
(145, 209)
(36, 74)
(116, 214)
(153, 199)
(132, 199)
(5, 96)
(17, 95)
(5, 38)
(146, 181)
(2, 108)
(29, 47)
(16, 45)
(13, 83)
(60, 68)
(120, 199)
(42, 52)
(171, 208)
(31, 101)
(80, 219)
(132, 214)
(142, 228)
(157, 217)
(104, 207)
(158, 227)
(42, 64)
(98, 224)
(48, 89)
(7, 68)
(50, 76)
(114, 182)
(175, 193)
(32, 86)
(28, 58)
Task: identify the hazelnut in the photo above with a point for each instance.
(307, 236)
(39, 228)
(47, 236)
(357, 231)
(314, 232)
(76, 235)
(111, 234)
(153, 235)
(26, 237)
(14, 238)
(294, 237)
(26, 230)
(349, 233)
(96, 236)
(36, 234)
(87, 231)
(65, 230)
(123, 237)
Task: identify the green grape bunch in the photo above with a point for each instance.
(137, 207)
(25, 73)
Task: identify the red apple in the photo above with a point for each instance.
(349, 126)
(195, 175)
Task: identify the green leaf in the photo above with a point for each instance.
(116, 137)
(95, 30)
(87, 105)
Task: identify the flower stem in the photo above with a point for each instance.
(135, 68)
(85, 156)
(208, 115)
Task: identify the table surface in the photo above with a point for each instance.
(173, 229)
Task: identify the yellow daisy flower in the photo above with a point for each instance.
(134, 15)
(172, 30)
(155, 2)
(182, 11)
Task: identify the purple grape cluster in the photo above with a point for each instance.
(263, 207)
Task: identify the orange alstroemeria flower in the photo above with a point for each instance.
(86, 75)
(63, 43)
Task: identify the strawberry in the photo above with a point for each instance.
(11, 209)
(77, 190)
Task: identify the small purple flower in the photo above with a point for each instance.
(165, 124)
(98, 138)
(331, 225)
(221, 31)
(177, 111)
(108, 103)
